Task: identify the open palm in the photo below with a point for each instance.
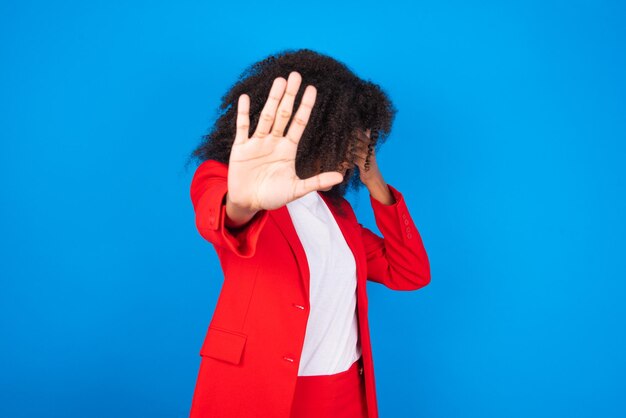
(262, 168)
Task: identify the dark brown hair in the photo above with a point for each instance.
(343, 103)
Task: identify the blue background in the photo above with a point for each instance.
(508, 145)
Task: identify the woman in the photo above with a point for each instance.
(289, 336)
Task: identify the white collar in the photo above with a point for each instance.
(309, 200)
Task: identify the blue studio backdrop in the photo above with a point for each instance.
(509, 146)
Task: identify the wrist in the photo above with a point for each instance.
(380, 192)
(374, 182)
(237, 215)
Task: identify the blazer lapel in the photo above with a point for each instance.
(285, 225)
(283, 220)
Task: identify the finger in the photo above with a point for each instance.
(266, 119)
(302, 115)
(285, 109)
(359, 151)
(360, 147)
(364, 143)
(360, 155)
(318, 182)
(243, 119)
(363, 137)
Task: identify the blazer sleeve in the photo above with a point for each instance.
(397, 260)
(208, 191)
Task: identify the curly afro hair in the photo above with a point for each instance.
(343, 104)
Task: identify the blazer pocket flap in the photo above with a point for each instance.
(223, 345)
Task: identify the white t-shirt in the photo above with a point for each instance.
(331, 343)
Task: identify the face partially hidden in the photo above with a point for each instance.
(349, 162)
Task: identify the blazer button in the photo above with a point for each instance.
(409, 236)
(406, 221)
(298, 306)
(407, 229)
(288, 359)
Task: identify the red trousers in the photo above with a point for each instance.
(340, 395)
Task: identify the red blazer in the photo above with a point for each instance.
(250, 355)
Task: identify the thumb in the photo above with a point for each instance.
(319, 181)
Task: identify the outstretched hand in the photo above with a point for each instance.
(262, 168)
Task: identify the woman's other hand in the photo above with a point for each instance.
(373, 173)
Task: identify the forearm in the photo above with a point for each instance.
(398, 259)
(378, 190)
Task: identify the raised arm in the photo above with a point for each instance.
(398, 259)
(261, 172)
